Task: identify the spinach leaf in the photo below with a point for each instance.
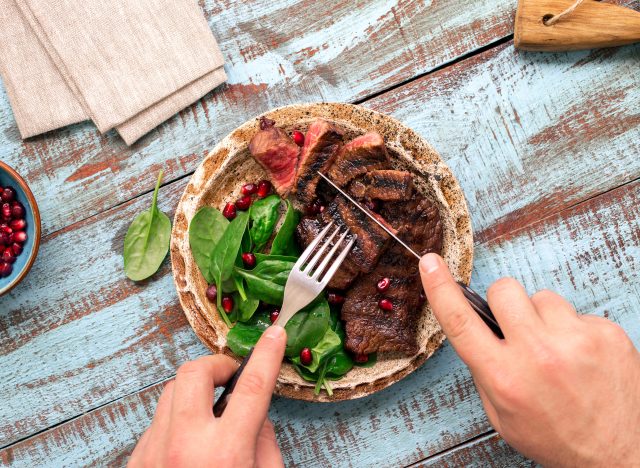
(260, 257)
(264, 216)
(244, 336)
(266, 281)
(307, 327)
(205, 230)
(246, 309)
(226, 250)
(283, 243)
(147, 241)
(339, 364)
(328, 345)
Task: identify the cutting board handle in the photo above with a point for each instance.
(591, 25)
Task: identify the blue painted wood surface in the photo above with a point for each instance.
(544, 145)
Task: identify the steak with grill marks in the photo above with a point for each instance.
(370, 329)
(277, 153)
(361, 155)
(371, 240)
(307, 230)
(321, 145)
(388, 185)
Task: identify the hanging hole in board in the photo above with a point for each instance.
(546, 18)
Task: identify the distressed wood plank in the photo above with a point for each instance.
(528, 134)
(589, 253)
(277, 53)
(488, 451)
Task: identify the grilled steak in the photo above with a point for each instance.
(388, 185)
(321, 145)
(366, 153)
(370, 329)
(372, 240)
(276, 152)
(307, 230)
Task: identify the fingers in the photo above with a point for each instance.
(267, 451)
(552, 308)
(194, 386)
(250, 400)
(512, 307)
(160, 424)
(472, 339)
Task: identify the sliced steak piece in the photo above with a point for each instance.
(369, 328)
(307, 230)
(418, 223)
(277, 153)
(372, 240)
(361, 155)
(321, 145)
(389, 185)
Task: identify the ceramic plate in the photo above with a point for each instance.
(229, 165)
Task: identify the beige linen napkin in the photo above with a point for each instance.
(129, 65)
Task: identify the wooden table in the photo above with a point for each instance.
(545, 146)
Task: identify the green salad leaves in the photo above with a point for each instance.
(217, 246)
(147, 241)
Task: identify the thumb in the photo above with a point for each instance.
(469, 336)
(247, 408)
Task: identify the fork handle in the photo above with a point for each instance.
(481, 307)
(221, 403)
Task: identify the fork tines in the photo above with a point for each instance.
(338, 249)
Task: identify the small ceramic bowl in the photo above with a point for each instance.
(23, 263)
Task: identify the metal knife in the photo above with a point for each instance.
(477, 302)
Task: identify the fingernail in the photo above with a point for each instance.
(274, 332)
(430, 263)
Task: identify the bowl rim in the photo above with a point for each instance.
(37, 222)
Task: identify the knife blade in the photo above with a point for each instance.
(477, 302)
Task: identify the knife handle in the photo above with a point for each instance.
(481, 307)
(221, 403)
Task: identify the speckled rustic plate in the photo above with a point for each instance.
(229, 165)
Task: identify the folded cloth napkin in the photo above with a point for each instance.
(129, 64)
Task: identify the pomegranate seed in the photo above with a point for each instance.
(6, 211)
(7, 255)
(423, 298)
(17, 249)
(249, 259)
(244, 203)
(5, 269)
(229, 211)
(212, 293)
(8, 194)
(17, 210)
(335, 299)
(227, 304)
(273, 316)
(373, 205)
(383, 285)
(6, 229)
(306, 357)
(249, 189)
(18, 224)
(385, 304)
(315, 208)
(5, 239)
(298, 137)
(264, 188)
(361, 358)
(20, 237)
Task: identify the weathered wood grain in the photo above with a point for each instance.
(589, 253)
(487, 451)
(528, 134)
(277, 53)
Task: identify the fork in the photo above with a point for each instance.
(304, 284)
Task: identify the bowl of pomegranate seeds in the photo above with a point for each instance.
(19, 228)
